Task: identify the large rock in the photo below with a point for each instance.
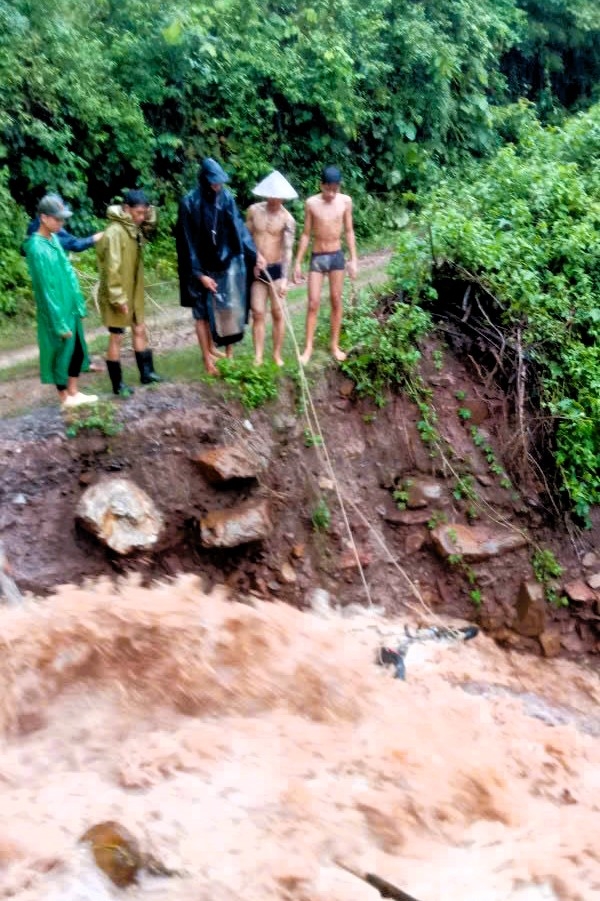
(121, 515)
(579, 592)
(474, 543)
(236, 461)
(239, 525)
(531, 610)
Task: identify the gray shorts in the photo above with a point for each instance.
(327, 262)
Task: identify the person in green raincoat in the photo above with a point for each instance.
(121, 290)
(60, 306)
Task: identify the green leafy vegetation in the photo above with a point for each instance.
(321, 516)
(522, 230)
(547, 570)
(253, 385)
(101, 416)
(99, 96)
(384, 351)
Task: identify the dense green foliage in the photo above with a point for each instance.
(525, 225)
(99, 95)
(383, 346)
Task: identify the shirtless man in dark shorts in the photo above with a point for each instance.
(327, 216)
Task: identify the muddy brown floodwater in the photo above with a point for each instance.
(250, 746)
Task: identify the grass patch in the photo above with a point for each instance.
(101, 417)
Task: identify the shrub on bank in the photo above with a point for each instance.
(523, 228)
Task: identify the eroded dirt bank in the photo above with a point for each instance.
(249, 746)
(375, 453)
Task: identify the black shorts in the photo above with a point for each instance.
(272, 273)
(116, 330)
(327, 262)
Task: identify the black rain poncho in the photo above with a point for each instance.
(212, 239)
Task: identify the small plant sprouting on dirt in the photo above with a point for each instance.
(460, 394)
(458, 561)
(400, 494)
(437, 357)
(254, 385)
(101, 416)
(311, 439)
(465, 489)
(464, 413)
(495, 468)
(547, 570)
(321, 516)
(438, 518)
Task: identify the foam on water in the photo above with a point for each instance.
(251, 747)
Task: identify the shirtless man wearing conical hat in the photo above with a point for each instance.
(272, 227)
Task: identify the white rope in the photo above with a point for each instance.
(322, 447)
(315, 426)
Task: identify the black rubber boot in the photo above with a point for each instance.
(115, 373)
(145, 364)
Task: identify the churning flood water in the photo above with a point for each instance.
(249, 747)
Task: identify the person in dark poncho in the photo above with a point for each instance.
(216, 259)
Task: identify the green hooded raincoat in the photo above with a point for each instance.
(121, 266)
(60, 307)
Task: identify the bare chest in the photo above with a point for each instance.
(266, 223)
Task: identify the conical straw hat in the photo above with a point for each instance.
(275, 185)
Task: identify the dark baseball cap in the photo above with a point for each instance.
(54, 205)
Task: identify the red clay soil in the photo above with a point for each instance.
(373, 450)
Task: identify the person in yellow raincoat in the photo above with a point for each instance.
(121, 290)
(60, 306)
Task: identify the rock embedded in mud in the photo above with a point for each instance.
(579, 592)
(115, 851)
(120, 514)
(421, 492)
(287, 574)
(238, 525)
(474, 543)
(531, 610)
(236, 461)
(594, 581)
(550, 642)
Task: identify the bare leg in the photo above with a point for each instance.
(278, 323)
(215, 352)
(138, 337)
(258, 298)
(114, 347)
(229, 351)
(204, 340)
(336, 283)
(315, 282)
(72, 385)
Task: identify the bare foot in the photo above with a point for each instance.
(217, 354)
(338, 354)
(305, 357)
(278, 360)
(258, 361)
(210, 367)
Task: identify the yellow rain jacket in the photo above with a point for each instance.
(121, 265)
